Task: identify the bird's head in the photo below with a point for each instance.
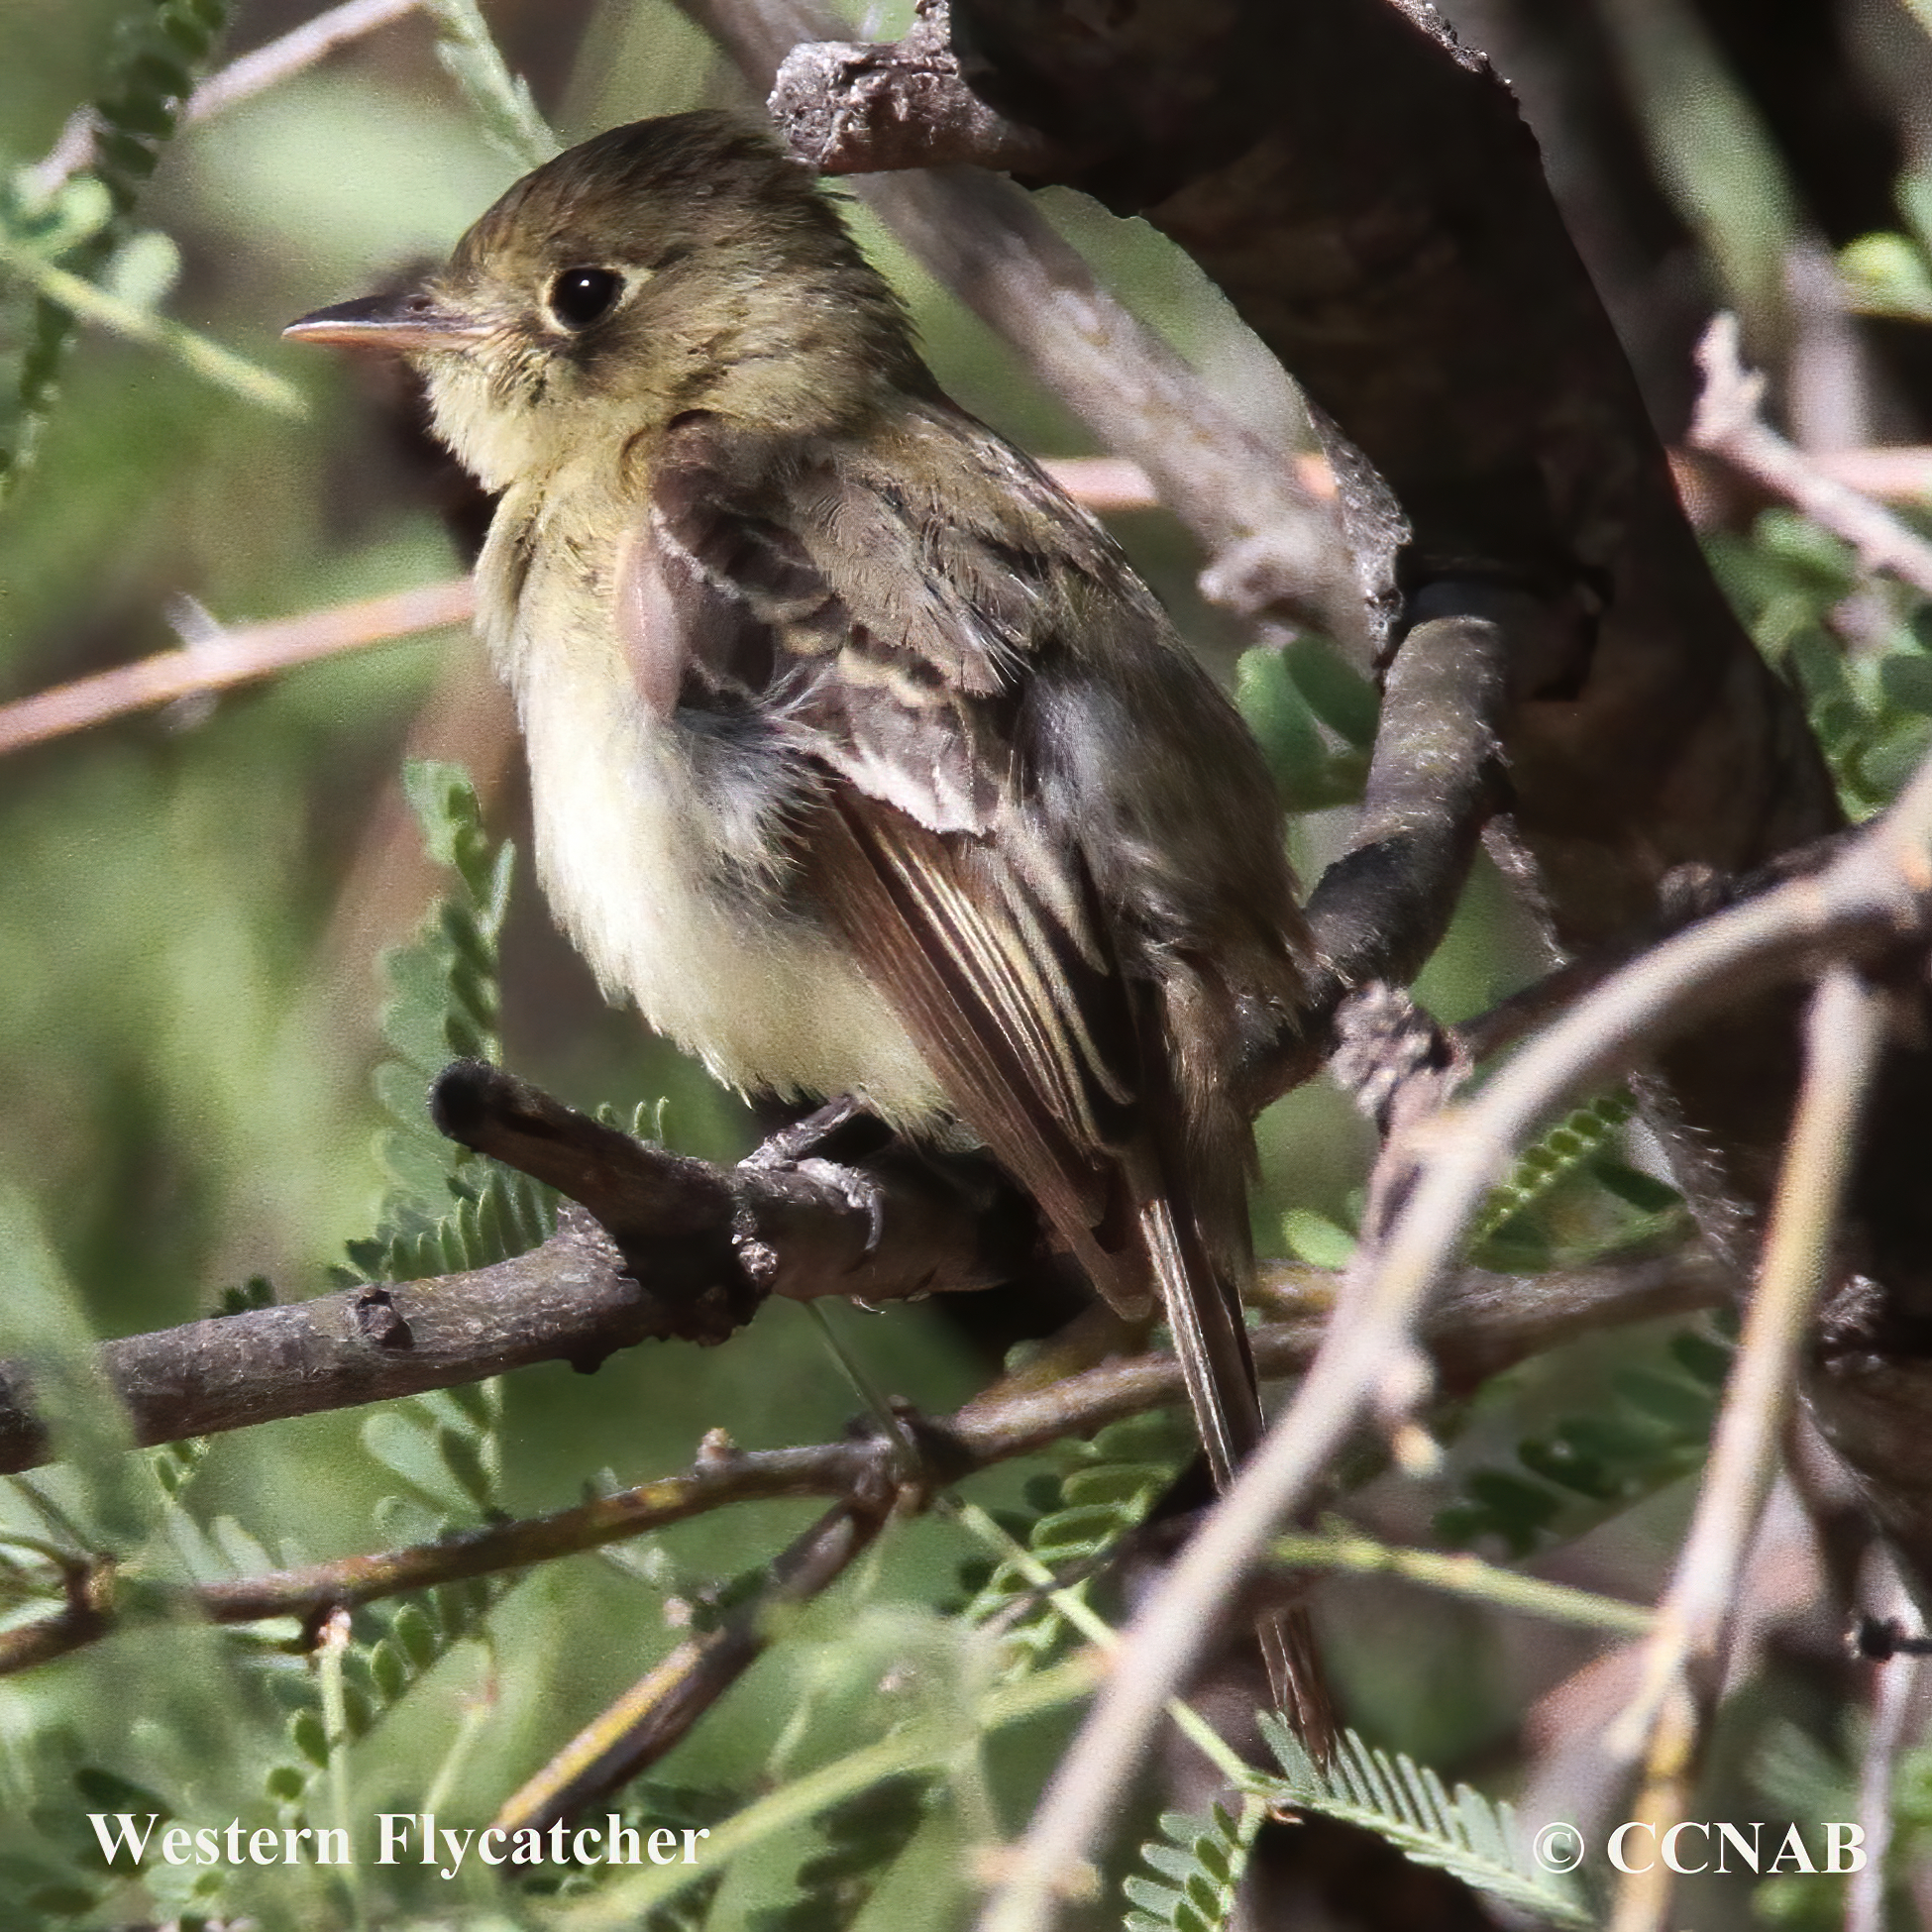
(674, 265)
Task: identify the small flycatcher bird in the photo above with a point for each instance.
(861, 759)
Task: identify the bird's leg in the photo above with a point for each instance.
(792, 1143)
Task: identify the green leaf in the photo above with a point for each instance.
(1650, 1426)
(501, 100)
(1905, 679)
(1278, 715)
(306, 1733)
(161, 48)
(859, 1840)
(1314, 1238)
(416, 1635)
(388, 1671)
(1680, 1406)
(407, 1448)
(1108, 1487)
(1885, 274)
(107, 1791)
(1406, 1805)
(1202, 1860)
(1539, 1168)
(1636, 1189)
(447, 1209)
(1333, 690)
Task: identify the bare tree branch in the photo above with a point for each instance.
(684, 1250)
(852, 108)
(1668, 1720)
(1484, 1323)
(1435, 778)
(688, 1231)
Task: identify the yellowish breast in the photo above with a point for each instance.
(768, 1003)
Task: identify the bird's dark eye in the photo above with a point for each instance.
(580, 295)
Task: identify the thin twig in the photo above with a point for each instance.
(1463, 1576)
(721, 1476)
(659, 1710)
(1728, 423)
(1892, 472)
(232, 657)
(1894, 1687)
(242, 80)
(1876, 889)
(194, 351)
(1666, 1719)
(300, 48)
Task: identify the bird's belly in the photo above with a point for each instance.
(763, 998)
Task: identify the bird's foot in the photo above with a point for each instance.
(791, 1149)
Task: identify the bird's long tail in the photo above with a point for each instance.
(1218, 1368)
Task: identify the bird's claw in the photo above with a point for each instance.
(860, 1191)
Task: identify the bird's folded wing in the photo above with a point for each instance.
(901, 683)
(989, 1001)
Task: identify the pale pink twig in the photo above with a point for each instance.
(1729, 424)
(231, 656)
(1682, 1662)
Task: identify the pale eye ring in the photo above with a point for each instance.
(577, 298)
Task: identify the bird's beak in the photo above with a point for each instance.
(401, 324)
